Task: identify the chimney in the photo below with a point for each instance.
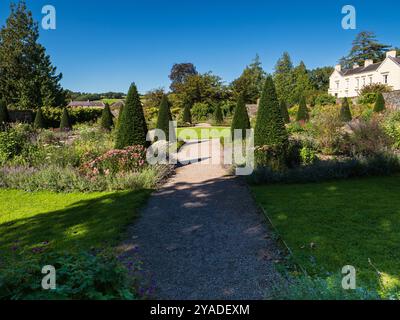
(355, 66)
(338, 67)
(391, 53)
(368, 62)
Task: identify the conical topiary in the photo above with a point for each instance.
(65, 123)
(187, 115)
(218, 116)
(107, 118)
(285, 112)
(270, 131)
(380, 103)
(164, 117)
(345, 113)
(132, 128)
(4, 117)
(121, 110)
(302, 113)
(240, 117)
(39, 120)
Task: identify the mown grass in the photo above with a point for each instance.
(203, 132)
(51, 221)
(333, 224)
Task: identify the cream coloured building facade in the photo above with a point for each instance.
(347, 83)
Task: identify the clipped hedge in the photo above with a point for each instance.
(76, 115)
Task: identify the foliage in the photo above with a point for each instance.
(132, 129)
(324, 99)
(12, 142)
(303, 86)
(302, 113)
(345, 113)
(39, 122)
(270, 129)
(240, 117)
(80, 276)
(65, 123)
(28, 79)
(107, 118)
(391, 125)
(379, 103)
(201, 111)
(285, 112)
(365, 46)
(319, 78)
(4, 117)
(369, 93)
(283, 78)
(308, 155)
(179, 74)
(76, 115)
(164, 117)
(187, 115)
(218, 116)
(250, 82)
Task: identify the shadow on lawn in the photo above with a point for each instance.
(82, 225)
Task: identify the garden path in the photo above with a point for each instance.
(201, 235)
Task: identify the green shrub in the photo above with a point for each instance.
(12, 142)
(325, 99)
(80, 276)
(164, 117)
(391, 126)
(308, 155)
(107, 118)
(240, 119)
(302, 113)
(187, 115)
(65, 123)
(201, 111)
(285, 112)
(345, 113)
(4, 117)
(77, 115)
(380, 103)
(270, 131)
(132, 129)
(39, 122)
(218, 116)
(369, 93)
(228, 108)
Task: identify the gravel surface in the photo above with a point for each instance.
(201, 236)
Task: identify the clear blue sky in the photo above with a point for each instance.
(102, 45)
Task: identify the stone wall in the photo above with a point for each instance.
(25, 116)
(392, 99)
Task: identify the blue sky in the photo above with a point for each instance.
(104, 45)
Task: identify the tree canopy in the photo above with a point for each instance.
(180, 72)
(284, 79)
(27, 77)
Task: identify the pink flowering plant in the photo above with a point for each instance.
(130, 159)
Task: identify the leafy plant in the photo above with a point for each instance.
(345, 113)
(65, 123)
(302, 114)
(379, 103)
(39, 122)
(107, 118)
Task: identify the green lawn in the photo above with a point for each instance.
(65, 221)
(348, 221)
(205, 133)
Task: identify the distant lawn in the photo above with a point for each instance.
(348, 221)
(65, 221)
(206, 133)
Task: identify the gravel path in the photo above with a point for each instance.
(201, 236)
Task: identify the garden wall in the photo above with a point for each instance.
(25, 116)
(392, 99)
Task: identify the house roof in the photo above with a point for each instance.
(397, 59)
(370, 68)
(86, 104)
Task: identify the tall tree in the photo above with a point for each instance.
(27, 77)
(283, 78)
(240, 119)
(365, 46)
(132, 127)
(180, 72)
(303, 86)
(319, 78)
(250, 82)
(164, 117)
(285, 112)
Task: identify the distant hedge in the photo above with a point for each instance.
(52, 116)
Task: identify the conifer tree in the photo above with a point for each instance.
(345, 113)
(132, 129)
(380, 103)
(107, 118)
(240, 117)
(65, 123)
(302, 113)
(164, 117)
(218, 116)
(285, 112)
(187, 115)
(39, 120)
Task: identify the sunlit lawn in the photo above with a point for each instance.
(65, 221)
(203, 132)
(348, 222)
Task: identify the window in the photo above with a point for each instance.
(337, 84)
(385, 78)
(347, 83)
(358, 82)
(370, 80)
(363, 81)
